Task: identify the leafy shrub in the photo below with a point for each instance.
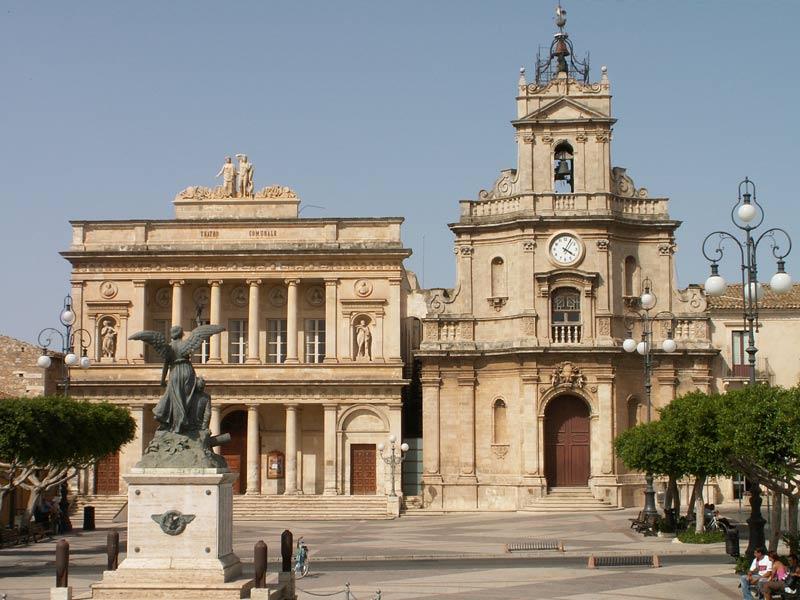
(706, 537)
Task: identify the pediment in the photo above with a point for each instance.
(564, 109)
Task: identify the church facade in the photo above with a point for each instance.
(307, 375)
(524, 379)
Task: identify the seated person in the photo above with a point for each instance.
(760, 568)
(775, 583)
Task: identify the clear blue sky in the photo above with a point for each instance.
(370, 108)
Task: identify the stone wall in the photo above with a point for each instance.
(19, 375)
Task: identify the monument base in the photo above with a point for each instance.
(180, 538)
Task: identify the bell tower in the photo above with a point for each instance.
(563, 123)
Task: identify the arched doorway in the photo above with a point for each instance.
(235, 423)
(566, 434)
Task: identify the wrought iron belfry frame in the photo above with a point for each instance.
(68, 338)
(748, 250)
(643, 316)
(561, 56)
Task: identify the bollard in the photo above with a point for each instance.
(88, 518)
(112, 550)
(347, 591)
(62, 563)
(287, 548)
(260, 565)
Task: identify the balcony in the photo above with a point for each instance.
(738, 375)
(566, 334)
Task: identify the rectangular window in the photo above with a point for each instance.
(739, 362)
(201, 354)
(237, 341)
(315, 340)
(276, 341)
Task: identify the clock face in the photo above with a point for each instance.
(565, 249)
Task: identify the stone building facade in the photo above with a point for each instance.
(524, 380)
(20, 376)
(307, 375)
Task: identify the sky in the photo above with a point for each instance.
(371, 108)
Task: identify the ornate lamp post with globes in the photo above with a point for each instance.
(747, 214)
(393, 459)
(69, 337)
(647, 302)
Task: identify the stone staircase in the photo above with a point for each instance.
(569, 499)
(105, 507)
(309, 508)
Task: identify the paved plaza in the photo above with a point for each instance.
(446, 556)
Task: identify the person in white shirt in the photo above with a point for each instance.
(760, 568)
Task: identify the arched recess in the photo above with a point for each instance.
(563, 168)
(234, 452)
(499, 278)
(363, 336)
(630, 276)
(499, 422)
(101, 345)
(633, 411)
(567, 441)
(360, 429)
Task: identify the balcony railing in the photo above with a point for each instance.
(566, 334)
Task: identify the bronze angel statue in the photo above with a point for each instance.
(179, 409)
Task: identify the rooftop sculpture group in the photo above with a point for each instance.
(236, 183)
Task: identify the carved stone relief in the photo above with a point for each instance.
(567, 374)
(108, 290)
(163, 297)
(277, 296)
(239, 296)
(665, 249)
(622, 185)
(363, 288)
(202, 296)
(315, 296)
(528, 246)
(602, 245)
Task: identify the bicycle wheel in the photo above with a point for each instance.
(304, 569)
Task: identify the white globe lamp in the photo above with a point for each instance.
(71, 359)
(404, 447)
(642, 348)
(669, 345)
(753, 292)
(381, 447)
(715, 284)
(629, 344)
(68, 317)
(85, 362)
(781, 282)
(648, 300)
(746, 212)
(43, 362)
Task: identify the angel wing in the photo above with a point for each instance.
(197, 336)
(155, 339)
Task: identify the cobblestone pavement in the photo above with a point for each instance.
(405, 558)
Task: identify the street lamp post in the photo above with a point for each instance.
(69, 337)
(747, 215)
(647, 302)
(393, 459)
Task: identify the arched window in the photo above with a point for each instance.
(500, 420)
(563, 169)
(630, 274)
(566, 316)
(498, 278)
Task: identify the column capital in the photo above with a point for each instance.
(252, 407)
(252, 282)
(328, 406)
(332, 281)
(395, 280)
(139, 282)
(291, 282)
(292, 406)
(428, 381)
(176, 282)
(215, 282)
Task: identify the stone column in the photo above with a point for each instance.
(391, 338)
(331, 288)
(605, 425)
(530, 429)
(136, 349)
(214, 318)
(253, 450)
(253, 353)
(466, 417)
(216, 424)
(177, 301)
(291, 323)
(431, 424)
(291, 449)
(330, 488)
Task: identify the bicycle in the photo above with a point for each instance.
(301, 566)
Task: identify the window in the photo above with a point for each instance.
(630, 272)
(500, 422)
(563, 169)
(201, 356)
(566, 316)
(739, 359)
(276, 341)
(237, 341)
(498, 278)
(315, 340)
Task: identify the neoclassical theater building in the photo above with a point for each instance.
(308, 374)
(524, 379)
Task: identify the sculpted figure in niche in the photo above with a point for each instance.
(108, 336)
(245, 176)
(228, 172)
(363, 341)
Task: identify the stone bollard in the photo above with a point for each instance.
(88, 518)
(260, 565)
(112, 550)
(287, 548)
(62, 591)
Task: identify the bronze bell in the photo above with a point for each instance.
(562, 170)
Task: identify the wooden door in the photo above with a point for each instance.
(106, 478)
(362, 469)
(234, 451)
(566, 426)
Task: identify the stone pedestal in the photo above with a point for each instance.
(180, 538)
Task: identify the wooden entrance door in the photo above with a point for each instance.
(566, 424)
(106, 477)
(234, 451)
(362, 469)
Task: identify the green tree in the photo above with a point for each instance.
(45, 441)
